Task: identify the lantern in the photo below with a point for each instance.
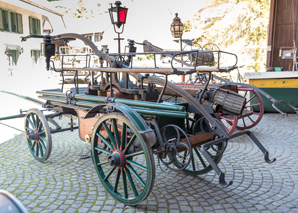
(118, 15)
(177, 27)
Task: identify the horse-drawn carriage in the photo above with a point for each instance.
(130, 114)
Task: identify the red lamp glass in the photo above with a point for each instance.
(118, 14)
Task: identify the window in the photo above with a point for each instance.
(35, 55)
(5, 20)
(11, 21)
(19, 23)
(13, 56)
(97, 38)
(34, 26)
(1, 21)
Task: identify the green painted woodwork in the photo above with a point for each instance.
(286, 94)
(34, 26)
(1, 20)
(5, 20)
(35, 55)
(24, 97)
(12, 117)
(101, 99)
(132, 181)
(145, 111)
(11, 21)
(40, 141)
(19, 23)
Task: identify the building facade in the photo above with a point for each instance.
(16, 21)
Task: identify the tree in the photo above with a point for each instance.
(239, 26)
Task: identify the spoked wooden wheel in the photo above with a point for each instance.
(229, 122)
(253, 109)
(199, 165)
(38, 135)
(123, 161)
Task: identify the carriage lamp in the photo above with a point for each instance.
(177, 31)
(177, 27)
(118, 18)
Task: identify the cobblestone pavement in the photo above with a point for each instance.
(66, 184)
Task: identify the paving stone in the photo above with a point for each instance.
(66, 184)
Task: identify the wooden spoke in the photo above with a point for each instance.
(109, 173)
(134, 154)
(41, 150)
(193, 163)
(102, 163)
(251, 98)
(123, 136)
(37, 149)
(34, 120)
(115, 127)
(117, 180)
(103, 150)
(250, 119)
(33, 145)
(136, 175)
(43, 145)
(134, 189)
(200, 157)
(137, 164)
(110, 135)
(104, 141)
(253, 105)
(124, 184)
(32, 125)
(129, 144)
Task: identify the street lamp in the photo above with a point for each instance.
(177, 31)
(118, 18)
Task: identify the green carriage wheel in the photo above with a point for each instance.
(199, 165)
(38, 135)
(122, 159)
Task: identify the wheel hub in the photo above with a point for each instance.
(117, 159)
(33, 134)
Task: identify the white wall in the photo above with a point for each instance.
(27, 71)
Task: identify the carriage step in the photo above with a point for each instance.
(197, 140)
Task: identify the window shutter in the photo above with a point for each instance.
(38, 27)
(5, 20)
(13, 22)
(20, 23)
(1, 20)
(31, 25)
(35, 55)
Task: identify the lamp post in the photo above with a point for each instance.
(177, 31)
(118, 18)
